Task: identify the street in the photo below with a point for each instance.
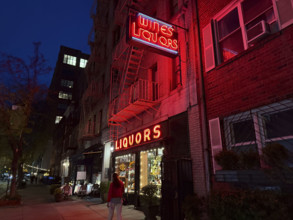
(37, 203)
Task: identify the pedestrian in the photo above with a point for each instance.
(115, 197)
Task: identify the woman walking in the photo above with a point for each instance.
(115, 195)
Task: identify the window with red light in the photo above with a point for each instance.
(176, 71)
(241, 26)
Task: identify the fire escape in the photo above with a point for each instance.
(130, 95)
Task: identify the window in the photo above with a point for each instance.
(94, 123)
(82, 63)
(89, 126)
(58, 119)
(240, 133)
(245, 22)
(125, 168)
(100, 121)
(67, 83)
(154, 78)
(62, 106)
(258, 127)
(150, 166)
(176, 71)
(65, 95)
(173, 7)
(71, 60)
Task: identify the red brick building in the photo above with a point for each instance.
(247, 56)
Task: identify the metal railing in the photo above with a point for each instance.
(141, 90)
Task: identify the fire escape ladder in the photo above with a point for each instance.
(114, 91)
(131, 68)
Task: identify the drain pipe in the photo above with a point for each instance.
(203, 115)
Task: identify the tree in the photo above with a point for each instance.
(19, 89)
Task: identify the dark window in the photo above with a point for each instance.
(243, 131)
(116, 36)
(94, 124)
(173, 7)
(175, 79)
(279, 124)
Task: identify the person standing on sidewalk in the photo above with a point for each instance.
(115, 196)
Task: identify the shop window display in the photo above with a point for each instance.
(150, 167)
(125, 168)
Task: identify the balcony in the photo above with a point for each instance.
(139, 97)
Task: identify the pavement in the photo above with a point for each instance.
(37, 203)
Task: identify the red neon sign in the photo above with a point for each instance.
(138, 138)
(157, 35)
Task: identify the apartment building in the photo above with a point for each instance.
(247, 76)
(141, 104)
(65, 89)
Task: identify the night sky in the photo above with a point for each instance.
(53, 23)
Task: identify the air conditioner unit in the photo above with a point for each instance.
(257, 31)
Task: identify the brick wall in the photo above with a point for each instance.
(197, 152)
(258, 76)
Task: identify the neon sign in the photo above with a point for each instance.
(141, 137)
(154, 34)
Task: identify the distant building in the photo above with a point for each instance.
(66, 88)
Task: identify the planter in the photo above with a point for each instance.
(104, 197)
(58, 197)
(251, 177)
(10, 202)
(151, 212)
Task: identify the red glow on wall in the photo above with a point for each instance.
(138, 138)
(154, 34)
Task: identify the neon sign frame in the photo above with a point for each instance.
(153, 34)
(138, 138)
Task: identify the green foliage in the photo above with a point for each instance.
(18, 92)
(231, 160)
(57, 191)
(193, 207)
(243, 205)
(240, 205)
(249, 160)
(228, 159)
(275, 154)
(53, 187)
(149, 194)
(104, 187)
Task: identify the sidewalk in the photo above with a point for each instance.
(37, 204)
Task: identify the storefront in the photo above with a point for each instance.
(158, 154)
(150, 162)
(137, 159)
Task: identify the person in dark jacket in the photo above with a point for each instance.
(115, 197)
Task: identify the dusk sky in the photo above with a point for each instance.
(53, 23)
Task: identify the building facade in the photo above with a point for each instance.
(247, 77)
(65, 89)
(154, 133)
